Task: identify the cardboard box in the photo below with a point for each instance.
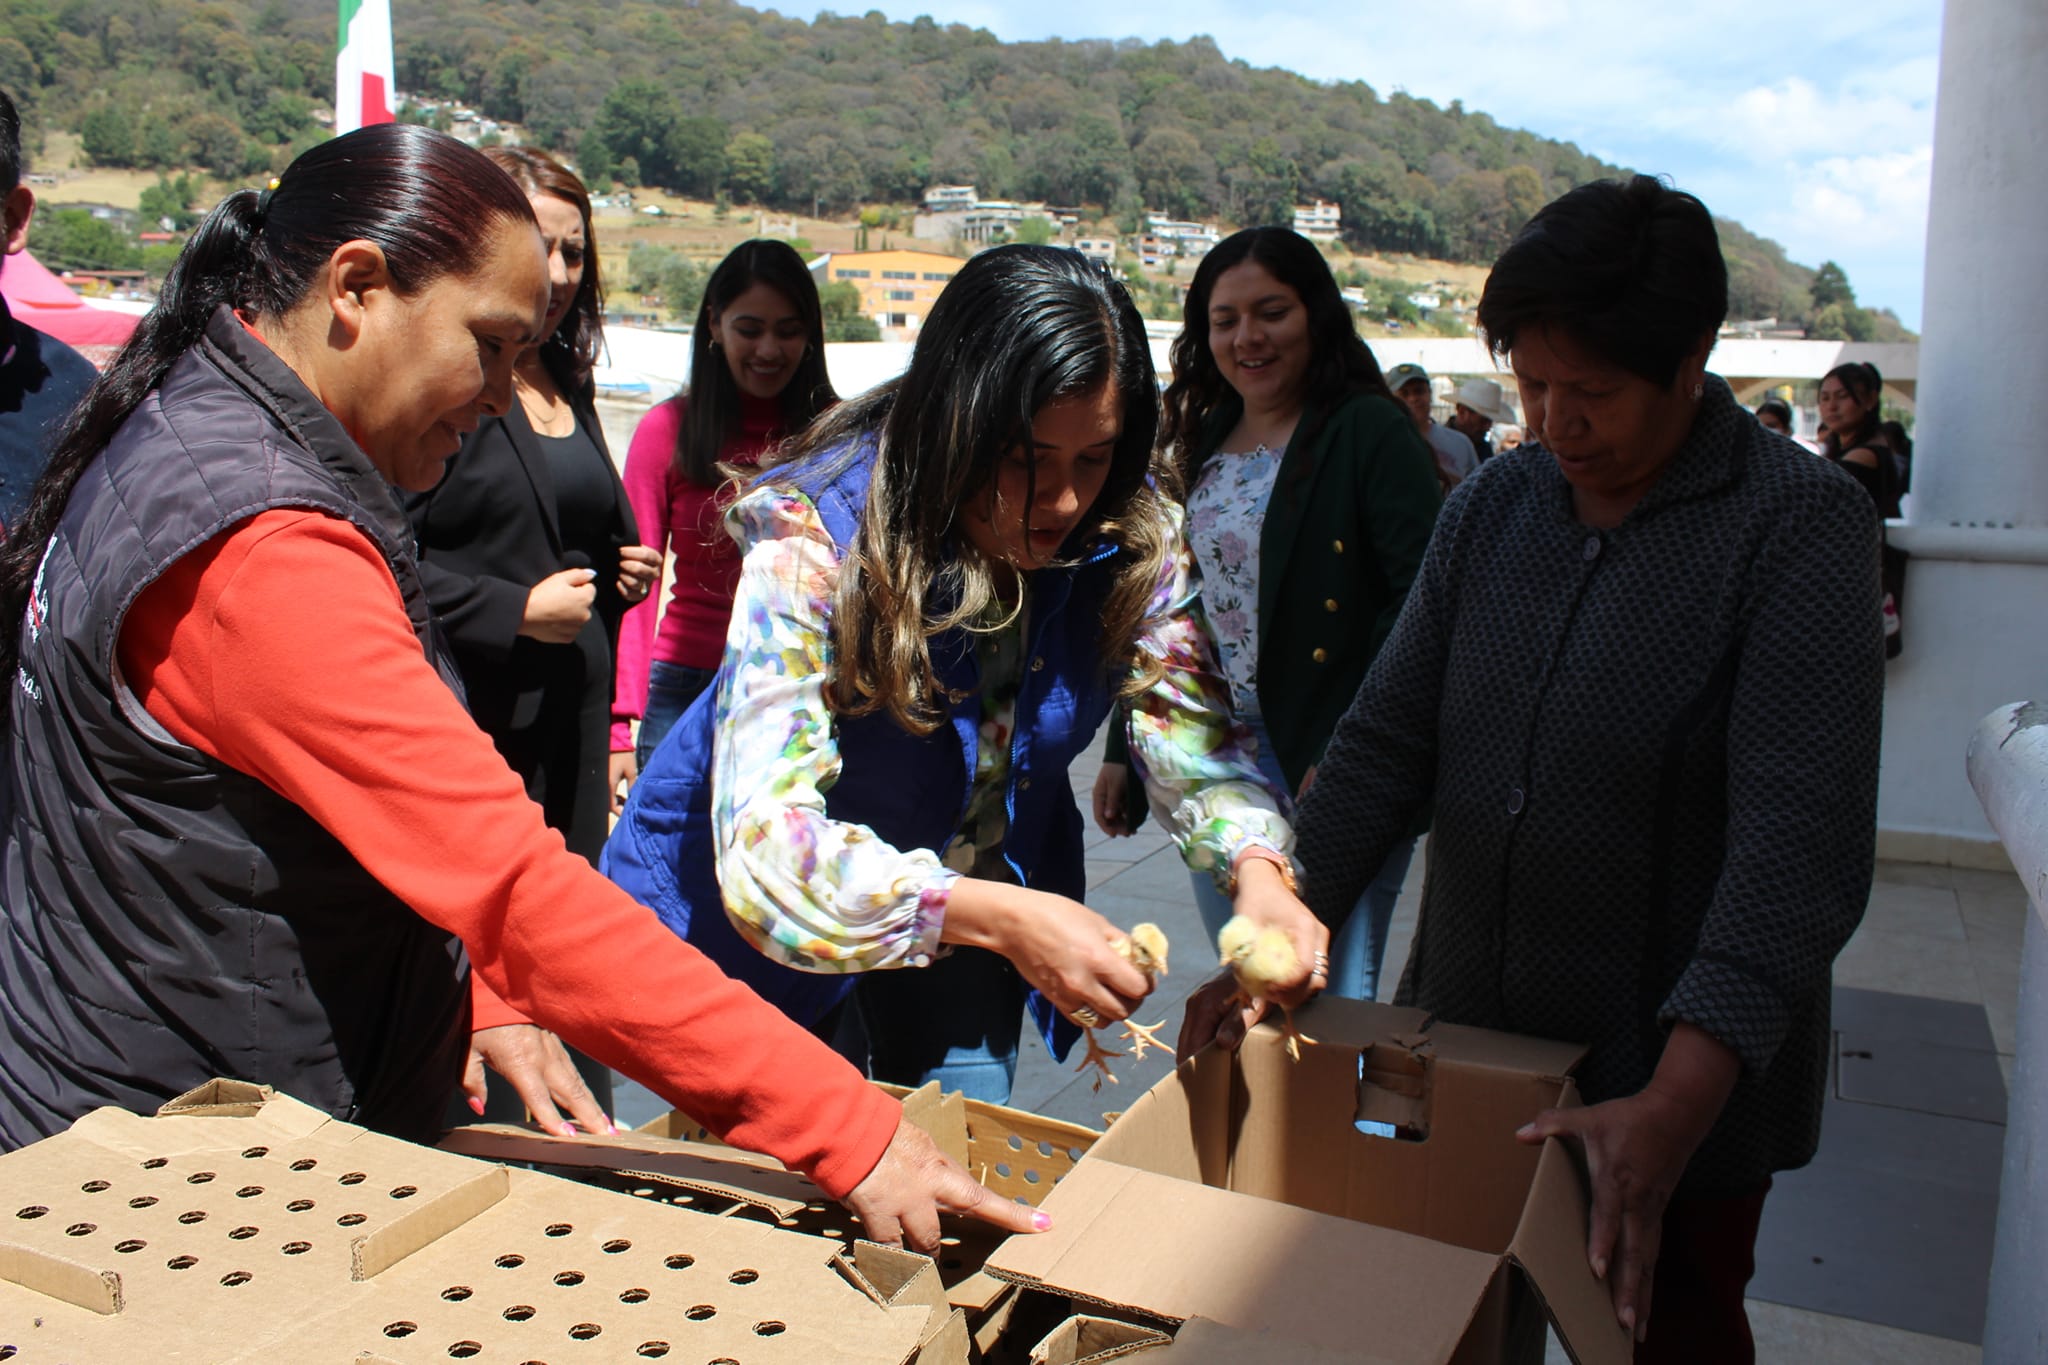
(240, 1225)
(1241, 1192)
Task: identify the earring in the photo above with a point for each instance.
(1699, 390)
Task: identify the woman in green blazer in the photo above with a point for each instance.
(1310, 499)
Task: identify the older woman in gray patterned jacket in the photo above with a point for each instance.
(1640, 674)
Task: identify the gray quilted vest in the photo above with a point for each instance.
(164, 918)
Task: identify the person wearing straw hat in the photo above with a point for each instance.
(1475, 407)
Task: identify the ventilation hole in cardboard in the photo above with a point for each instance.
(32, 1211)
(248, 1191)
(190, 1216)
(1016, 1143)
(703, 1312)
(1073, 1153)
(456, 1293)
(1030, 1177)
(353, 1178)
(680, 1261)
(8, 1352)
(744, 1276)
(568, 1279)
(1003, 1169)
(643, 1191)
(350, 1220)
(653, 1350)
(296, 1248)
(463, 1350)
(519, 1312)
(511, 1260)
(81, 1229)
(400, 1329)
(142, 1201)
(235, 1277)
(131, 1244)
(198, 1177)
(770, 1329)
(405, 1191)
(255, 1152)
(304, 1163)
(725, 1360)
(243, 1233)
(617, 1245)
(634, 1296)
(298, 1206)
(182, 1262)
(560, 1229)
(156, 1163)
(831, 1232)
(814, 1208)
(93, 1186)
(1045, 1149)
(584, 1331)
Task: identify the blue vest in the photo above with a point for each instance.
(911, 791)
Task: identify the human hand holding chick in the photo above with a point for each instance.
(1219, 1010)
(1060, 946)
(1145, 949)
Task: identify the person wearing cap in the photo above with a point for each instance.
(1476, 406)
(1455, 458)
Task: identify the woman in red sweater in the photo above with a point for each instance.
(757, 375)
(249, 829)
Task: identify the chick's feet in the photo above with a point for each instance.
(1141, 1036)
(1098, 1057)
(1294, 1036)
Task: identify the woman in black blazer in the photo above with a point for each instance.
(528, 548)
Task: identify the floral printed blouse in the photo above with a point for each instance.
(1226, 515)
(826, 895)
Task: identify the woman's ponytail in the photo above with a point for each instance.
(208, 272)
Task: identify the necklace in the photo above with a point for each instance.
(546, 410)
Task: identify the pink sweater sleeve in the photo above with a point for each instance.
(649, 460)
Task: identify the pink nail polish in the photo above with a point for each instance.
(611, 1128)
(568, 1130)
(1041, 1221)
(477, 1105)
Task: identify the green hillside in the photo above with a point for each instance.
(711, 99)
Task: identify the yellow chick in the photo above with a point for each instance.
(1262, 960)
(1145, 949)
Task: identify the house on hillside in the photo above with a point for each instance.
(1097, 248)
(897, 288)
(1319, 222)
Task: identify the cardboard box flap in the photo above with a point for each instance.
(1086, 1340)
(725, 1172)
(1340, 1022)
(1542, 1057)
(235, 1099)
(61, 1278)
(1122, 1236)
(1550, 1248)
(1202, 1342)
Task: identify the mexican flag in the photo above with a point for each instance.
(363, 66)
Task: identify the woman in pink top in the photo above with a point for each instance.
(757, 375)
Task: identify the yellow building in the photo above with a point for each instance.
(897, 288)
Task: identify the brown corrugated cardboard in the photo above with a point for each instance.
(1241, 1191)
(1084, 1340)
(242, 1226)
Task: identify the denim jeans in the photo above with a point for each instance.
(670, 690)
(956, 1022)
(1358, 947)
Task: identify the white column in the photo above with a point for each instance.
(1976, 598)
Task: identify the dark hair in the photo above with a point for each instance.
(1340, 363)
(1632, 272)
(1019, 327)
(1778, 408)
(712, 415)
(10, 145)
(426, 199)
(580, 334)
(1866, 386)
(1895, 436)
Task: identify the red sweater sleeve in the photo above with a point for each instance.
(281, 649)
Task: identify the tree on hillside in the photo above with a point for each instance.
(843, 319)
(1830, 286)
(750, 167)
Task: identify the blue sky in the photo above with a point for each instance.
(1809, 123)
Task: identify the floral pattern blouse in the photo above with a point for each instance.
(1226, 515)
(831, 896)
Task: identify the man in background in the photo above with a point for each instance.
(1455, 458)
(41, 379)
(1476, 406)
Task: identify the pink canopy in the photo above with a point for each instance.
(46, 303)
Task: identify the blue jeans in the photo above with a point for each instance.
(670, 690)
(956, 1022)
(1359, 946)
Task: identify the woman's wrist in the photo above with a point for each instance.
(981, 914)
(1261, 862)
